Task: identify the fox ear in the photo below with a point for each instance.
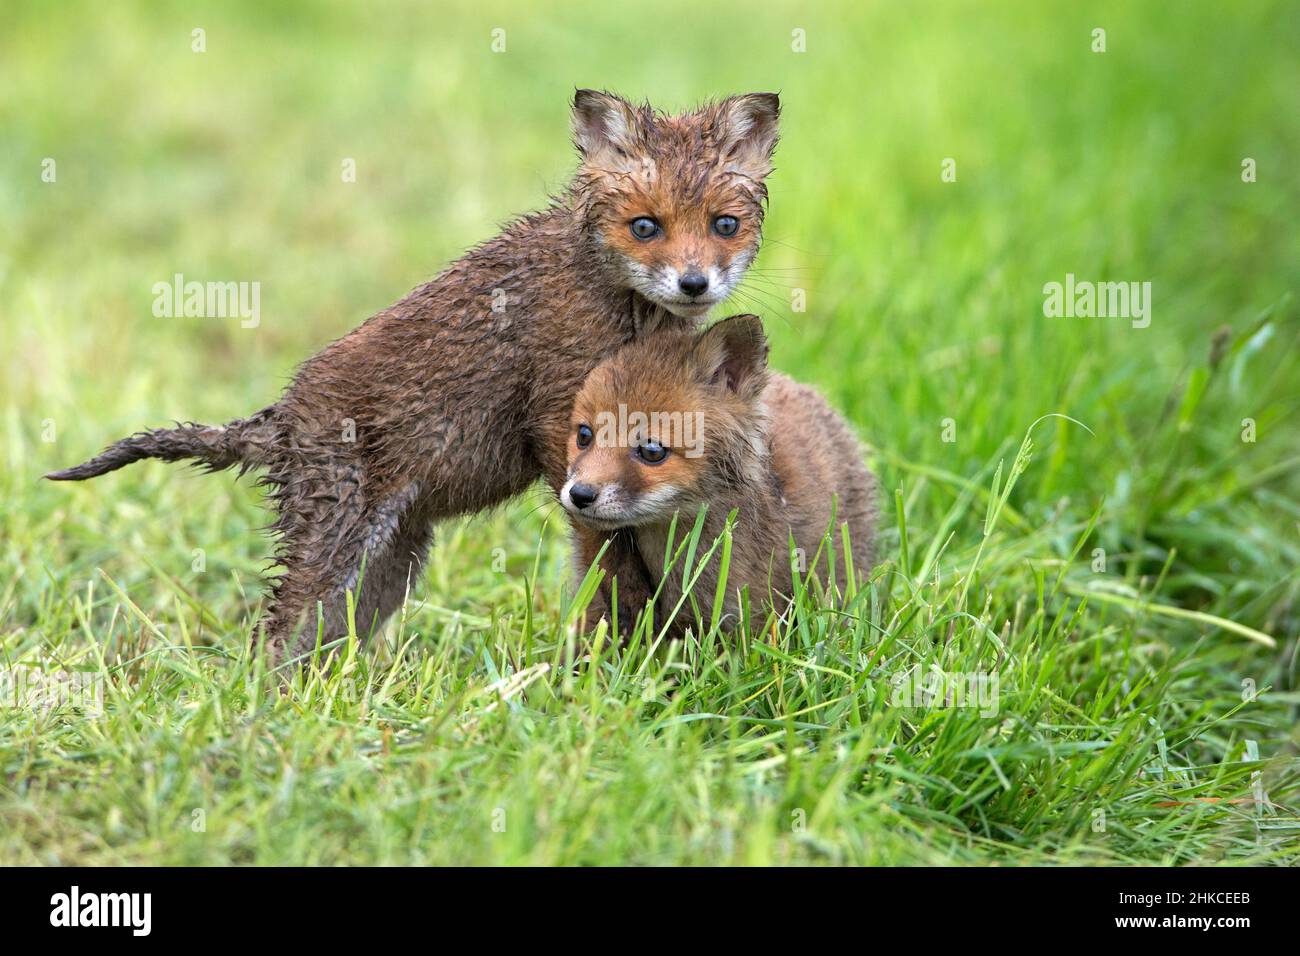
(604, 125)
(733, 355)
(750, 132)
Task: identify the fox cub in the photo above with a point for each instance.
(458, 396)
(677, 420)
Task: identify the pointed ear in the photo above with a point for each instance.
(604, 126)
(750, 124)
(733, 355)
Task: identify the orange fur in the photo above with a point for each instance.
(768, 447)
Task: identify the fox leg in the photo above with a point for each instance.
(390, 573)
(332, 543)
(290, 623)
(622, 565)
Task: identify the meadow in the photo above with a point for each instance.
(1089, 526)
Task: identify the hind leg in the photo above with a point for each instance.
(310, 601)
(303, 601)
(335, 542)
(389, 575)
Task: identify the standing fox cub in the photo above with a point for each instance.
(458, 397)
(678, 420)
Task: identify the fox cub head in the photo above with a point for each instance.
(670, 422)
(675, 202)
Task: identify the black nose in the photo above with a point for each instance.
(582, 495)
(693, 283)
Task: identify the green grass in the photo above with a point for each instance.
(1125, 729)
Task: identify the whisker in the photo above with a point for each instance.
(782, 281)
(540, 507)
(781, 242)
(769, 296)
(748, 302)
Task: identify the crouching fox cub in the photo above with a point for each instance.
(677, 420)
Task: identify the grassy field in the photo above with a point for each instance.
(1127, 585)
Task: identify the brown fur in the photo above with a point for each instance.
(772, 448)
(458, 396)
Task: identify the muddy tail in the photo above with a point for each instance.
(214, 446)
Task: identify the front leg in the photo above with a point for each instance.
(622, 564)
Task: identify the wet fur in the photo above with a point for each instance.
(456, 406)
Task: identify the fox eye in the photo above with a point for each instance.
(584, 436)
(726, 225)
(643, 227)
(652, 453)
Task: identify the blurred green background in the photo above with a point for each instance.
(924, 297)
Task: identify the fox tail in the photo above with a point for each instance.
(214, 446)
